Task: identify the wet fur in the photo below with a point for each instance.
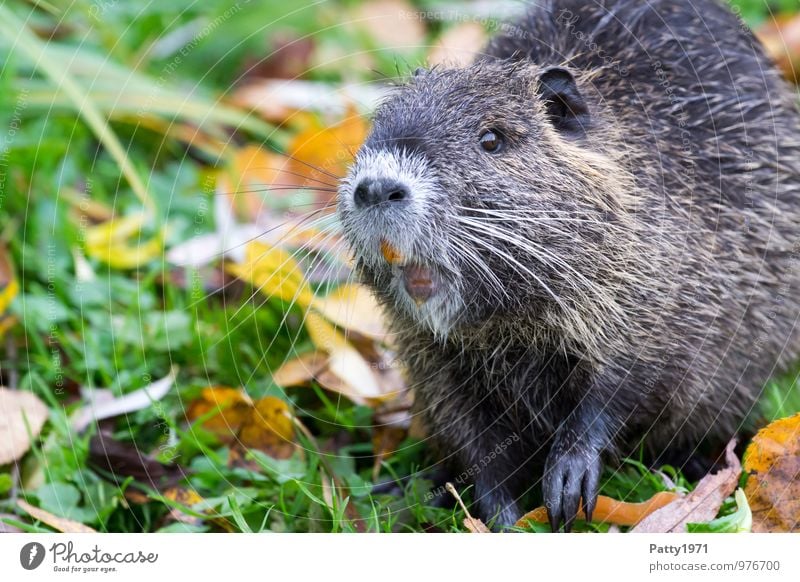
(660, 310)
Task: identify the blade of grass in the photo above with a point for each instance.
(52, 67)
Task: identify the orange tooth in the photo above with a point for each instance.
(391, 254)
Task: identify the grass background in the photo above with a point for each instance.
(128, 327)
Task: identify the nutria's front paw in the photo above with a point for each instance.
(571, 473)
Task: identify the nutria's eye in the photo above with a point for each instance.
(491, 141)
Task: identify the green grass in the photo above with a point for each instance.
(125, 328)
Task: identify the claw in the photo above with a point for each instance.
(571, 499)
(553, 492)
(589, 490)
(569, 480)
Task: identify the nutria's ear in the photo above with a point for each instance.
(420, 72)
(565, 104)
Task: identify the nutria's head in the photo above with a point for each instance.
(480, 193)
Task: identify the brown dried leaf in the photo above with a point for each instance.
(125, 460)
(61, 524)
(20, 412)
(699, 506)
(385, 441)
(475, 525)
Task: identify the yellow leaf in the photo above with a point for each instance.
(264, 424)
(233, 408)
(9, 288)
(61, 524)
(183, 496)
(22, 416)
(269, 428)
(772, 462)
(110, 242)
(274, 272)
(116, 230)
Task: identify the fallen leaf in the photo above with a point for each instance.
(459, 45)
(772, 462)
(231, 408)
(256, 175)
(22, 416)
(278, 100)
(301, 370)
(346, 363)
(288, 57)
(473, 524)
(269, 428)
(610, 510)
(274, 272)
(699, 506)
(392, 24)
(324, 153)
(9, 289)
(137, 400)
(781, 39)
(61, 524)
(385, 441)
(264, 424)
(353, 307)
(124, 460)
(186, 497)
(111, 242)
(347, 370)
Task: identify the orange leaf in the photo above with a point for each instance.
(320, 151)
(234, 408)
(773, 484)
(610, 510)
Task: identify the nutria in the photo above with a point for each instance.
(587, 239)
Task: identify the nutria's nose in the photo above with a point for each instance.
(371, 192)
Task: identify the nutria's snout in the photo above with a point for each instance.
(374, 192)
(390, 208)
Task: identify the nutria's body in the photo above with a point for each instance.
(599, 224)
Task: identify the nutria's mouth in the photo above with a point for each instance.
(419, 281)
